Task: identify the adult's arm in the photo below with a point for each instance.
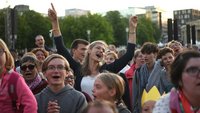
(120, 63)
(61, 49)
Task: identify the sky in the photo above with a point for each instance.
(102, 5)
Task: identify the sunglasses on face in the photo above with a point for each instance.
(30, 67)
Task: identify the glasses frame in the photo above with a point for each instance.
(30, 67)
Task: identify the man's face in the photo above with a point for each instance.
(80, 52)
(56, 72)
(39, 41)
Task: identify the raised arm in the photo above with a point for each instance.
(54, 21)
(132, 29)
(61, 49)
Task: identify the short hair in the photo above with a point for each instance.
(75, 43)
(179, 64)
(164, 51)
(54, 56)
(29, 58)
(9, 64)
(112, 80)
(149, 47)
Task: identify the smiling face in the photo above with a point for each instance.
(56, 72)
(97, 52)
(29, 71)
(177, 48)
(40, 56)
(39, 41)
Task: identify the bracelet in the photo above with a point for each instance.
(132, 32)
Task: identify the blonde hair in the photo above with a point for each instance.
(9, 58)
(112, 80)
(85, 67)
(54, 56)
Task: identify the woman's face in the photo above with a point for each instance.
(177, 48)
(148, 106)
(101, 91)
(167, 59)
(2, 58)
(28, 70)
(40, 56)
(191, 78)
(97, 52)
(139, 60)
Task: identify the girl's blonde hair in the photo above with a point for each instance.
(85, 67)
(9, 58)
(113, 81)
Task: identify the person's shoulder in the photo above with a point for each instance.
(122, 109)
(162, 105)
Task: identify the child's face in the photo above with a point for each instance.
(148, 107)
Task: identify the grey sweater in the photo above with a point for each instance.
(69, 100)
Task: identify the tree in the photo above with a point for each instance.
(76, 27)
(119, 24)
(2, 24)
(147, 31)
(31, 24)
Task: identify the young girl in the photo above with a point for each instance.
(110, 87)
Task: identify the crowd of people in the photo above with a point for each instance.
(97, 78)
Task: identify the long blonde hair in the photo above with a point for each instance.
(9, 58)
(85, 67)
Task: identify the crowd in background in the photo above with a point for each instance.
(96, 77)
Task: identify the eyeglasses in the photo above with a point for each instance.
(53, 68)
(1, 51)
(70, 77)
(30, 67)
(193, 71)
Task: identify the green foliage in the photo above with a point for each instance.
(76, 27)
(31, 24)
(119, 25)
(147, 31)
(110, 28)
(2, 24)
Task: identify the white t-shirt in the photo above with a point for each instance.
(87, 84)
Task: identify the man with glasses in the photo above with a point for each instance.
(58, 97)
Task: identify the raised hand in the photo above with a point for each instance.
(52, 13)
(133, 24)
(54, 21)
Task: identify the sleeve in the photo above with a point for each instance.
(26, 97)
(62, 50)
(120, 63)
